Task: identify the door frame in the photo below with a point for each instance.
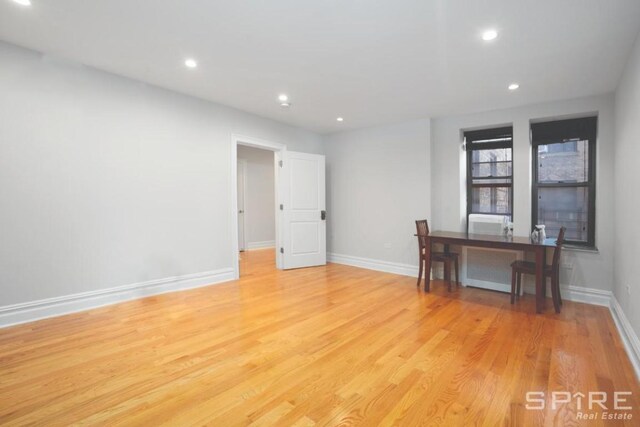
(242, 162)
(278, 149)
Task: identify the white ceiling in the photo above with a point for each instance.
(372, 62)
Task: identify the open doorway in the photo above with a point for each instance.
(254, 197)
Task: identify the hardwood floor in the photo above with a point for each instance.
(334, 345)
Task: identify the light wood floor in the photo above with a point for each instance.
(334, 345)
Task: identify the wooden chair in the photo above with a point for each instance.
(553, 271)
(447, 258)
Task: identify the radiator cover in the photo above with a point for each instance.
(488, 268)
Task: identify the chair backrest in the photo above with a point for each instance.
(556, 253)
(422, 228)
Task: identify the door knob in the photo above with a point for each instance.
(240, 211)
(323, 215)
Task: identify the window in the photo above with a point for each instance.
(489, 171)
(564, 185)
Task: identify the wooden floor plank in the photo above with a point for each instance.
(333, 345)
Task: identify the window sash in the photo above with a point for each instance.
(575, 218)
(555, 133)
(488, 139)
(507, 186)
(491, 184)
(562, 184)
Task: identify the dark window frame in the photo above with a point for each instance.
(487, 139)
(560, 131)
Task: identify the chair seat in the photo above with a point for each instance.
(443, 255)
(529, 267)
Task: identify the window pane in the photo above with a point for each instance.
(491, 200)
(564, 206)
(565, 162)
(486, 163)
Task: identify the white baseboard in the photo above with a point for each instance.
(577, 294)
(570, 293)
(585, 295)
(374, 264)
(628, 335)
(261, 245)
(51, 307)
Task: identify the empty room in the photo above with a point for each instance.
(319, 213)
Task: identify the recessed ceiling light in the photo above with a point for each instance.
(514, 86)
(340, 119)
(283, 98)
(23, 2)
(285, 104)
(489, 35)
(191, 63)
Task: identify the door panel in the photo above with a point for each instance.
(303, 198)
(307, 237)
(304, 184)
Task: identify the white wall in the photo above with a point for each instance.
(627, 193)
(259, 197)
(378, 184)
(105, 181)
(588, 269)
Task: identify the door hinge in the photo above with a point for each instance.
(280, 163)
(281, 207)
(281, 250)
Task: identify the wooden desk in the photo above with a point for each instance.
(497, 242)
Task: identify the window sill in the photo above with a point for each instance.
(576, 248)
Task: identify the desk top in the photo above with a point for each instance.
(501, 240)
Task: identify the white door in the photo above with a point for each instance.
(304, 239)
(241, 174)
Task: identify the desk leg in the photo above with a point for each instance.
(447, 266)
(540, 261)
(427, 266)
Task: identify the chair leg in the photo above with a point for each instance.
(420, 271)
(558, 286)
(519, 285)
(554, 293)
(448, 274)
(427, 274)
(457, 273)
(513, 285)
